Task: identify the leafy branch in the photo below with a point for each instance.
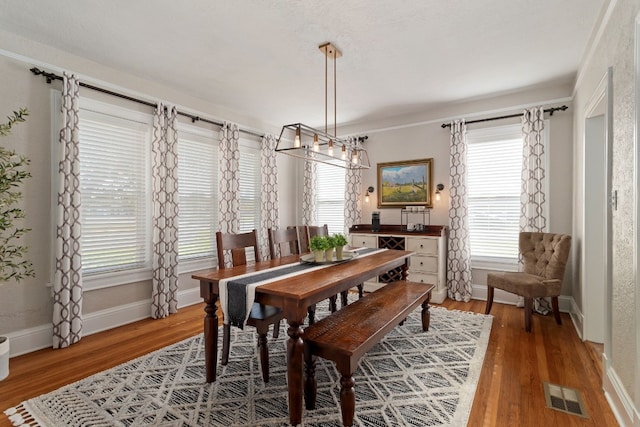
(12, 175)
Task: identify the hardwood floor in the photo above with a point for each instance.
(509, 393)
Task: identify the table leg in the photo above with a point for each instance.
(426, 315)
(211, 338)
(295, 350)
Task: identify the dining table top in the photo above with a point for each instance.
(347, 272)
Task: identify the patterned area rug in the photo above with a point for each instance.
(411, 378)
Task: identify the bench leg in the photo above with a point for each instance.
(426, 314)
(347, 398)
(360, 290)
(310, 384)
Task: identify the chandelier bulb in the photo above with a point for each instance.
(296, 141)
(354, 157)
(330, 148)
(316, 146)
(344, 153)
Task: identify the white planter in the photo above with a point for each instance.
(4, 357)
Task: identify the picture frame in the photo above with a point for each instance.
(405, 183)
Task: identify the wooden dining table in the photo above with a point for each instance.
(294, 295)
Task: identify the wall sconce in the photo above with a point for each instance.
(439, 188)
(366, 196)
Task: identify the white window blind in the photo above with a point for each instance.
(330, 197)
(198, 194)
(250, 187)
(114, 171)
(494, 163)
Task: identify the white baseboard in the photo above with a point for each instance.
(577, 318)
(479, 292)
(39, 337)
(619, 401)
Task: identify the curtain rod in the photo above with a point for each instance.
(51, 77)
(548, 110)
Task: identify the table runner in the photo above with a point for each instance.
(237, 294)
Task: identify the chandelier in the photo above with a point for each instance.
(300, 140)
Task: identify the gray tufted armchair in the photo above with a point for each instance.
(545, 258)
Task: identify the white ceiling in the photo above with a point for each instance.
(261, 57)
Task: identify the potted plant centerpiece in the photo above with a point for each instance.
(339, 242)
(13, 266)
(328, 253)
(319, 244)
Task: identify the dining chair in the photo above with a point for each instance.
(323, 230)
(283, 242)
(262, 315)
(545, 257)
(303, 238)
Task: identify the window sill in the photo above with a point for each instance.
(116, 278)
(125, 277)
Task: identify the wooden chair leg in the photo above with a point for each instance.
(226, 342)
(556, 310)
(276, 329)
(311, 311)
(344, 295)
(528, 309)
(487, 308)
(360, 290)
(264, 356)
(333, 303)
(310, 384)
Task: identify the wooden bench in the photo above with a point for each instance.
(345, 336)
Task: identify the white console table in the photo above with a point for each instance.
(428, 264)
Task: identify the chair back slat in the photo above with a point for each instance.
(237, 244)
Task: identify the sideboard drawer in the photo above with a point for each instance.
(431, 279)
(360, 240)
(422, 245)
(424, 263)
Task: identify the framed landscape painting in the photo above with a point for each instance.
(406, 183)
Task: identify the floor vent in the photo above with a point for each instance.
(564, 399)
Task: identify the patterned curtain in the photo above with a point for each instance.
(67, 283)
(269, 215)
(164, 298)
(459, 253)
(229, 181)
(309, 209)
(352, 191)
(533, 200)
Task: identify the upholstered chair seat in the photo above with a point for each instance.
(526, 285)
(545, 257)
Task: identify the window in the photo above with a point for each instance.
(330, 196)
(494, 163)
(250, 186)
(115, 188)
(198, 193)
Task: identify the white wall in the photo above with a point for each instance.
(26, 308)
(614, 46)
(425, 138)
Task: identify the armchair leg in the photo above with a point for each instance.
(528, 309)
(556, 310)
(487, 309)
